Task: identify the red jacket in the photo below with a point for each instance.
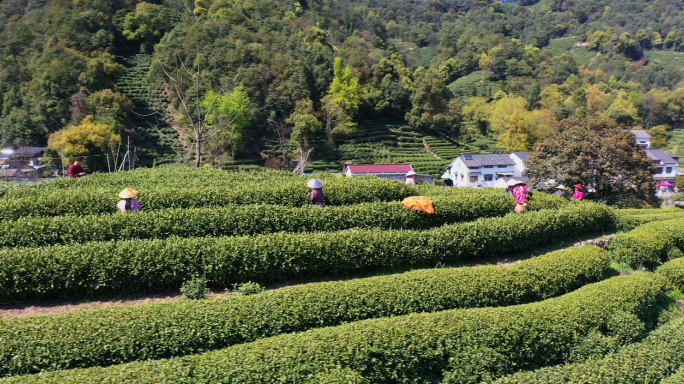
(75, 170)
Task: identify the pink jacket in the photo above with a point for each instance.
(578, 195)
(520, 193)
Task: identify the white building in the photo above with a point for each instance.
(386, 171)
(665, 164)
(519, 159)
(643, 139)
(480, 169)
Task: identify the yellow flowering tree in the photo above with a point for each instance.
(86, 139)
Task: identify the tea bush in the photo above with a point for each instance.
(195, 289)
(650, 361)
(677, 378)
(291, 192)
(157, 265)
(649, 244)
(248, 289)
(154, 331)
(629, 221)
(401, 349)
(674, 272)
(150, 178)
(249, 220)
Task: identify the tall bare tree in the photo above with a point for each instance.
(191, 87)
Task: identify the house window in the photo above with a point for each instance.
(488, 177)
(668, 170)
(473, 179)
(489, 166)
(502, 166)
(474, 168)
(659, 170)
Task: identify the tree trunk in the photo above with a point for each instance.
(198, 154)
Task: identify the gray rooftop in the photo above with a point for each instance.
(640, 133)
(661, 156)
(30, 151)
(522, 155)
(482, 159)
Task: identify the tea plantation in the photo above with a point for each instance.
(360, 291)
(384, 142)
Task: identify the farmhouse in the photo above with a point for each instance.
(519, 159)
(17, 170)
(29, 155)
(665, 164)
(481, 169)
(643, 139)
(385, 171)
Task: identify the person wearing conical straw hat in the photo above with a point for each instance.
(411, 178)
(560, 191)
(316, 198)
(579, 194)
(448, 180)
(127, 202)
(520, 193)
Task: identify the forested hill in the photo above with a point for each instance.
(80, 75)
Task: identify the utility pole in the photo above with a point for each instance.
(109, 168)
(63, 173)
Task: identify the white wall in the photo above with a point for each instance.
(672, 168)
(463, 174)
(519, 166)
(646, 143)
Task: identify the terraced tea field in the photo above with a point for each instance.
(360, 291)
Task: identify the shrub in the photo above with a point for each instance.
(195, 289)
(291, 192)
(338, 375)
(245, 220)
(157, 265)
(400, 349)
(674, 272)
(153, 331)
(677, 378)
(248, 288)
(595, 346)
(649, 244)
(650, 361)
(630, 222)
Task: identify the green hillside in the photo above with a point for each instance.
(316, 67)
(581, 54)
(383, 142)
(147, 97)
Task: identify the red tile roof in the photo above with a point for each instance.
(380, 168)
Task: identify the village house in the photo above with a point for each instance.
(17, 170)
(665, 164)
(643, 139)
(481, 169)
(29, 155)
(519, 159)
(385, 171)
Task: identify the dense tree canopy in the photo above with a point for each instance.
(452, 66)
(598, 154)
